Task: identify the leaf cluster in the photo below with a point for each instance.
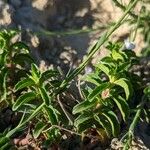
(106, 104)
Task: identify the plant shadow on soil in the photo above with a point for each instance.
(57, 50)
(53, 16)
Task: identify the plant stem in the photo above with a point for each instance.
(21, 124)
(95, 48)
(65, 112)
(130, 133)
(135, 120)
(124, 8)
(61, 128)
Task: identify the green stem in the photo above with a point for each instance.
(69, 117)
(70, 32)
(96, 47)
(124, 8)
(21, 124)
(135, 121)
(133, 124)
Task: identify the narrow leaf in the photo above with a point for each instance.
(83, 106)
(5, 143)
(103, 68)
(104, 123)
(97, 91)
(3, 140)
(23, 99)
(22, 58)
(126, 85)
(20, 46)
(35, 73)
(112, 118)
(92, 78)
(45, 96)
(24, 83)
(123, 107)
(117, 55)
(48, 74)
(52, 114)
(38, 129)
(82, 118)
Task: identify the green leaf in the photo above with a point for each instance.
(35, 73)
(40, 126)
(101, 40)
(55, 83)
(147, 91)
(83, 106)
(92, 78)
(2, 45)
(104, 123)
(24, 83)
(97, 45)
(5, 143)
(27, 106)
(82, 118)
(108, 61)
(3, 59)
(52, 114)
(126, 85)
(123, 107)
(45, 96)
(21, 59)
(3, 140)
(86, 125)
(20, 46)
(23, 99)
(48, 74)
(103, 68)
(116, 55)
(112, 118)
(129, 55)
(7, 146)
(123, 67)
(97, 91)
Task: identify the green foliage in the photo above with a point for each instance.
(5, 143)
(32, 94)
(143, 27)
(25, 98)
(38, 129)
(12, 61)
(126, 85)
(36, 95)
(113, 91)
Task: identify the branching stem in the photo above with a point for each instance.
(95, 48)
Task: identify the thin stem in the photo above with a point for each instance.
(79, 88)
(96, 47)
(20, 125)
(124, 8)
(64, 110)
(135, 120)
(130, 133)
(70, 32)
(136, 28)
(61, 128)
(64, 33)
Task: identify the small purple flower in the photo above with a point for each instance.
(88, 70)
(129, 45)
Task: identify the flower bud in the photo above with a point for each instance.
(129, 45)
